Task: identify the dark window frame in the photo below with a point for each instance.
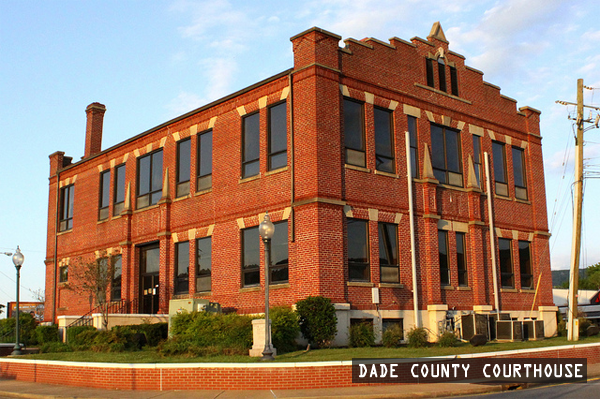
(500, 172)
(182, 185)
(444, 258)
(354, 155)
(274, 155)
(359, 271)
(203, 276)
(154, 194)
(104, 197)
(461, 259)
(63, 274)
(279, 271)
(429, 72)
(116, 282)
(520, 179)
(204, 178)
(444, 174)
(477, 156)
(413, 131)
(118, 190)
(390, 247)
(381, 140)
(525, 265)
(453, 81)
(250, 240)
(442, 74)
(182, 263)
(67, 199)
(505, 253)
(249, 135)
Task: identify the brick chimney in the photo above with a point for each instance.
(93, 130)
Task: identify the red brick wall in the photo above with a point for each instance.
(159, 377)
(393, 75)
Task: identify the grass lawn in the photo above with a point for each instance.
(151, 356)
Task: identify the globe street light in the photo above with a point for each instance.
(17, 259)
(266, 229)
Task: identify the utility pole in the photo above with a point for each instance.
(572, 321)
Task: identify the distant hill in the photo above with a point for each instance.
(561, 276)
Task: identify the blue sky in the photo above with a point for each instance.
(149, 62)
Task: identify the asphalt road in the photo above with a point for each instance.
(591, 389)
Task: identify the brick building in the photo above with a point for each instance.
(322, 148)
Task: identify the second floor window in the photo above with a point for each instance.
(251, 145)
(354, 133)
(67, 195)
(63, 274)
(414, 152)
(358, 250)
(119, 190)
(183, 167)
(499, 154)
(477, 159)
(277, 136)
(384, 140)
(149, 187)
(518, 159)
(445, 155)
(104, 195)
(204, 161)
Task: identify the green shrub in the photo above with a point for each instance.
(27, 325)
(204, 332)
(46, 334)
(49, 347)
(81, 335)
(318, 321)
(137, 336)
(561, 327)
(284, 328)
(417, 337)
(392, 337)
(447, 340)
(362, 334)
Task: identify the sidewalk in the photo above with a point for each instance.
(20, 389)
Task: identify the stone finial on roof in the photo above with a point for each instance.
(437, 32)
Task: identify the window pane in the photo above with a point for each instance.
(251, 137)
(104, 189)
(182, 264)
(157, 182)
(443, 257)
(442, 74)
(388, 244)
(518, 169)
(452, 151)
(499, 161)
(279, 244)
(506, 268)
(278, 128)
(525, 264)
(461, 262)
(477, 158)
(205, 154)
(203, 264)
(116, 281)
(183, 160)
(251, 256)
(278, 161)
(120, 184)
(71, 190)
(357, 241)
(144, 175)
(353, 125)
(412, 130)
(437, 148)
(383, 133)
(150, 260)
(429, 67)
(454, 81)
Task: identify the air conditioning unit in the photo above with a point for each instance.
(533, 330)
(177, 306)
(476, 323)
(509, 330)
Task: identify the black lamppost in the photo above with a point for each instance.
(17, 259)
(266, 229)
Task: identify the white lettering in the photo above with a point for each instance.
(455, 366)
(578, 371)
(412, 370)
(445, 371)
(373, 371)
(568, 371)
(466, 368)
(393, 370)
(435, 367)
(496, 370)
(537, 371)
(556, 371)
(424, 371)
(484, 372)
(363, 370)
(383, 371)
(548, 371)
(527, 367)
(517, 370)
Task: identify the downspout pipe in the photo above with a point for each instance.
(292, 186)
(54, 281)
(411, 213)
(490, 199)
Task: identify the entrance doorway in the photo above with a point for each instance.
(149, 272)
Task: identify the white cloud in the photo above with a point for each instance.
(184, 102)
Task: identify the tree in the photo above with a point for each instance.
(92, 279)
(318, 321)
(1, 307)
(40, 296)
(590, 280)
